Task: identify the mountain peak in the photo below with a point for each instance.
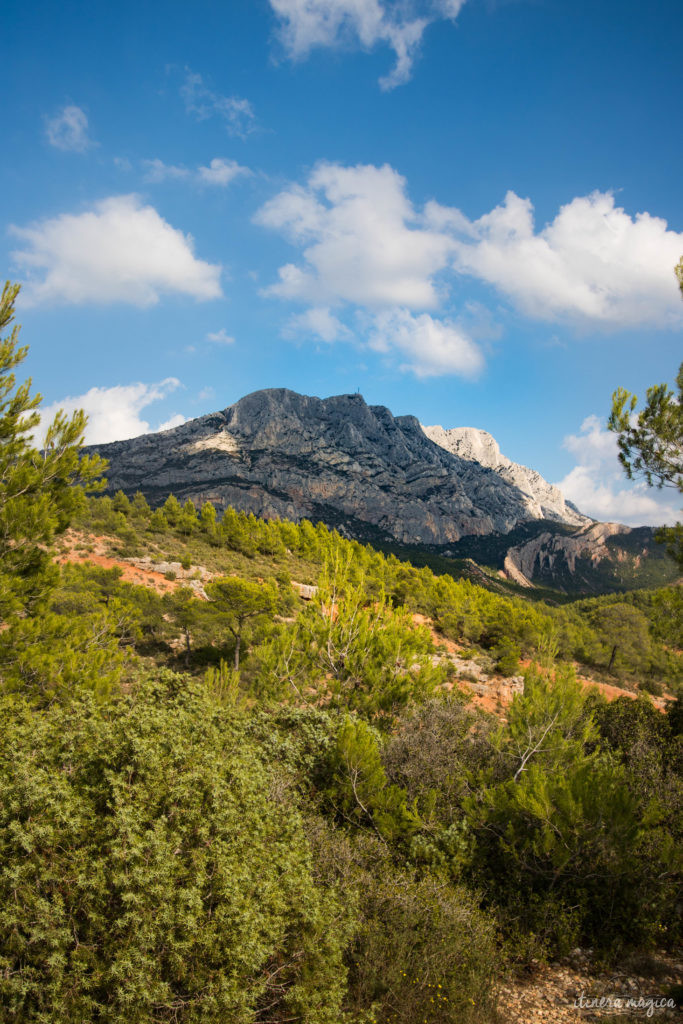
(544, 500)
(353, 465)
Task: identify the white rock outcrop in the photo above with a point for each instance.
(542, 500)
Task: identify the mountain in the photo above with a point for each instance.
(543, 500)
(337, 459)
(373, 476)
(597, 558)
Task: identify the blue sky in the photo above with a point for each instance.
(469, 211)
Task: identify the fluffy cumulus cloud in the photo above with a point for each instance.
(68, 130)
(362, 240)
(593, 264)
(598, 486)
(114, 414)
(236, 112)
(118, 251)
(429, 347)
(364, 244)
(305, 25)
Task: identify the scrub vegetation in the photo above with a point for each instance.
(224, 802)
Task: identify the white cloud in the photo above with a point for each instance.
(221, 172)
(236, 112)
(318, 321)
(364, 244)
(597, 484)
(169, 424)
(220, 337)
(593, 264)
(119, 251)
(114, 413)
(68, 130)
(433, 347)
(362, 240)
(157, 171)
(305, 25)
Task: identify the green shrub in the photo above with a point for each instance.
(145, 875)
(423, 952)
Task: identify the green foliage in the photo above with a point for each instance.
(508, 658)
(651, 443)
(41, 653)
(359, 790)
(172, 510)
(236, 602)
(40, 490)
(560, 836)
(433, 756)
(359, 653)
(222, 684)
(50, 657)
(409, 795)
(424, 952)
(145, 874)
(653, 446)
(625, 630)
(186, 613)
(158, 522)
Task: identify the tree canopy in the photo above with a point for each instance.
(38, 496)
(651, 440)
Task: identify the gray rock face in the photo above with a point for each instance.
(543, 552)
(600, 558)
(277, 453)
(543, 500)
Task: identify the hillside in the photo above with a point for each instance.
(256, 771)
(174, 548)
(368, 714)
(166, 571)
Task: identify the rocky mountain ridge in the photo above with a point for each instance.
(337, 459)
(375, 477)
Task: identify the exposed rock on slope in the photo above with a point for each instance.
(277, 453)
(543, 500)
(596, 558)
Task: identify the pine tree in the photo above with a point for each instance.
(238, 602)
(651, 442)
(39, 488)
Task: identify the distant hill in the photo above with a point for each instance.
(373, 476)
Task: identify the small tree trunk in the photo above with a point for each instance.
(187, 647)
(238, 642)
(612, 657)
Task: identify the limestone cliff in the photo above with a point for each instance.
(543, 500)
(594, 559)
(277, 453)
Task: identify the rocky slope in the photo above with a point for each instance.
(596, 558)
(543, 500)
(352, 465)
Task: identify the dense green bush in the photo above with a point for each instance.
(146, 875)
(564, 843)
